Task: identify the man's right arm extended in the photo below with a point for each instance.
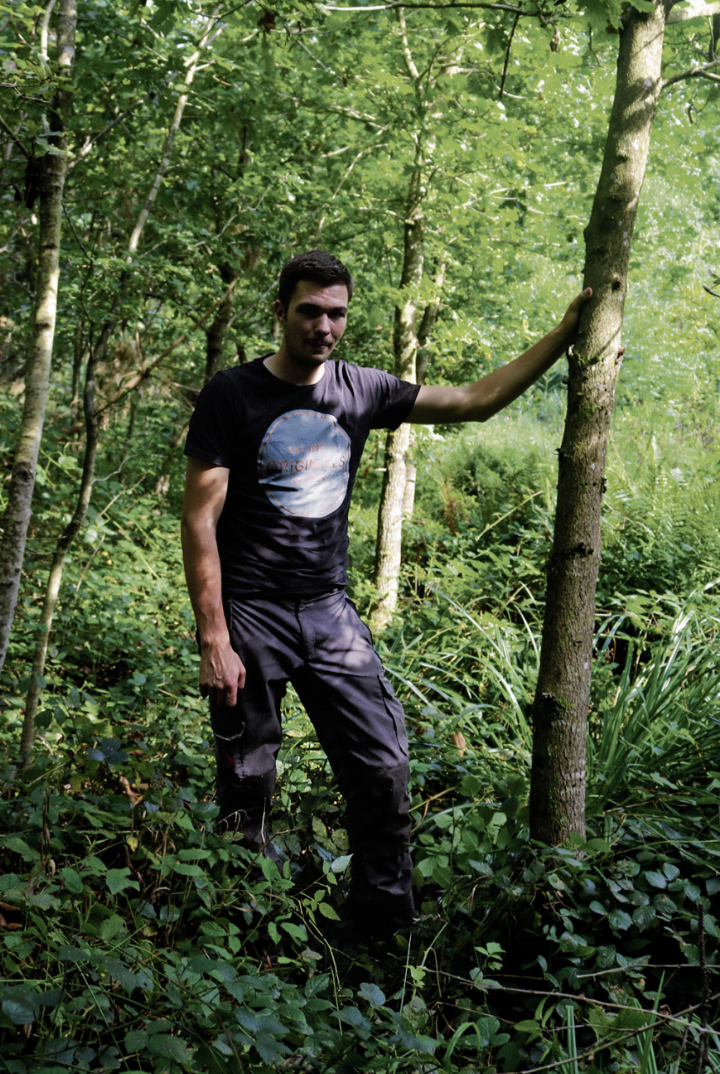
(222, 673)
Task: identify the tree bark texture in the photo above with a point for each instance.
(425, 331)
(390, 511)
(216, 332)
(53, 169)
(78, 355)
(559, 714)
(56, 569)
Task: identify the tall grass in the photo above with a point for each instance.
(655, 720)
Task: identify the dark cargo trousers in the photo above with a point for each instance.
(324, 649)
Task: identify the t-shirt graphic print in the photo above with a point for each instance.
(303, 463)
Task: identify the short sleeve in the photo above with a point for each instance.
(210, 434)
(393, 399)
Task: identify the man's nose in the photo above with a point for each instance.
(323, 325)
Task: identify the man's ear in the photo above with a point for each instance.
(279, 310)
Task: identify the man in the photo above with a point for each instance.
(273, 450)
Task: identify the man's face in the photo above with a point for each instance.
(314, 321)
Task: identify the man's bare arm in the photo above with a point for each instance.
(222, 672)
(490, 394)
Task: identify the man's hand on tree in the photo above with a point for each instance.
(222, 674)
(571, 321)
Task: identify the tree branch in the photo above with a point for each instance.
(44, 30)
(436, 7)
(14, 138)
(507, 56)
(692, 72)
(695, 11)
(409, 62)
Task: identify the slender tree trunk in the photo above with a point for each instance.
(97, 354)
(390, 512)
(426, 326)
(557, 796)
(56, 568)
(53, 169)
(217, 330)
(78, 354)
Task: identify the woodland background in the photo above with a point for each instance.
(132, 937)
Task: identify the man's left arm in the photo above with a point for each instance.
(490, 394)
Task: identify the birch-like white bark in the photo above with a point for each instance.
(53, 169)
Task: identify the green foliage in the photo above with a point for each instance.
(133, 931)
(132, 937)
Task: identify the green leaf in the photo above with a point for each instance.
(644, 916)
(120, 973)
(270, 1049)
(246, 1020)
(372, 994)
(119, 880)
(327, 911)
(528, 1026)
(20, 1011)
(18, 846)
(619, 919)
(656, 879)
(110, 927)
(72, 880)
(188, 870)
(167, 1046)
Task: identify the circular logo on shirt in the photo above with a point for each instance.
(304, 463)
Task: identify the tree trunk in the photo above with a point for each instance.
(426, 326)
(53, 169)
(97, 354)
(389, 535)
(216, 332)
(56, 568)
(78, 354)
(559, 714)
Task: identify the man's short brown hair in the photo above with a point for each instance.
(316, 265)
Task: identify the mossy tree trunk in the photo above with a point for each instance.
(559, 714)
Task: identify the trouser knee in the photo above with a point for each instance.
(378, 806)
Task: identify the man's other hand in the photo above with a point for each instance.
(222, 674)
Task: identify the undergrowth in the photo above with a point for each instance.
(133, 938)
(136, 939)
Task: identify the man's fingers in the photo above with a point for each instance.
(579, 301)
(242, 675)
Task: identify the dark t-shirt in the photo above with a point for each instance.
(293, 453)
